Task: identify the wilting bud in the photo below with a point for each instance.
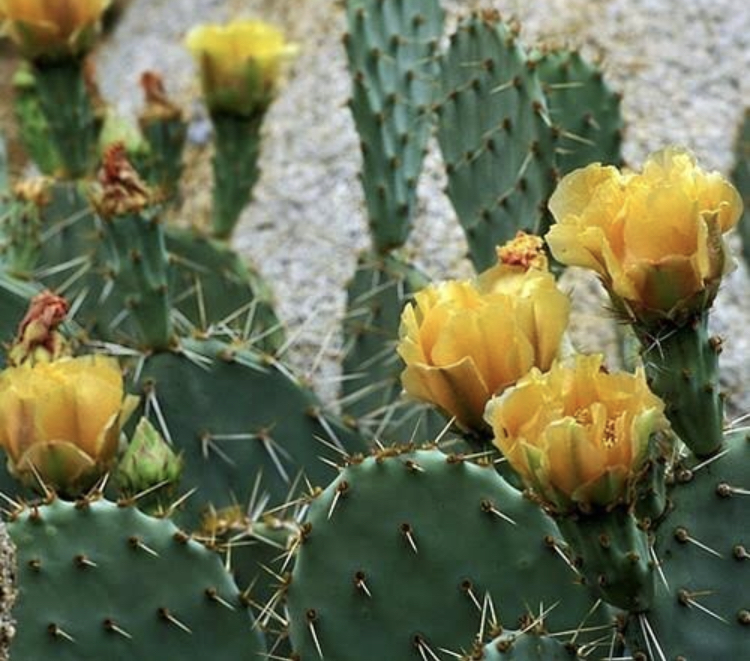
(240, 64)
(465, 341)
(53, 29)
(654, 237)
(62, 419)
(149, 461)
(38, 339)
(158, 105)
(121, 190)
(577, 435)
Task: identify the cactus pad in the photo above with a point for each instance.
(211, 285)
(371, 391)
(235, 413)
(98, 581)
(392, 46)
(702, 609)
(404, 551)
(496, 137)
(741, 179)
(528, 646)
(583, 108)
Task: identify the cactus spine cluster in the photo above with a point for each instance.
(246, 519)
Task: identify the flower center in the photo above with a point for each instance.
(525, 250)
(609, 439)
(583, 417)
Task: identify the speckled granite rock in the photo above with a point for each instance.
(7, 592)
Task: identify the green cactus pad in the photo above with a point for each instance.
(613, 552)
(391, 45)
(75, 262)
(33, 126)
(208, 282)
(211, 285)
(20, 236)
(235, 413)
(4, 173)
(371, 390)
(65, 233)
(165, 136)
(65, 101)
(583, 108)
(702, 606)
(400, 555)
(253, 551)
(682, 366)
(99, 581)
(741, 179)
(497, 140)
(528, 646)
(136, 268)
(237, 148)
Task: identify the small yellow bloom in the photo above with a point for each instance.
(577, 434)
(654, 237)
(240, 64)
(62, 419)
(53, 29)
(464, 341)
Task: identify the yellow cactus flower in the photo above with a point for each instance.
(62, 419)
(654, 237)
(577, 435)
(240, 64)
(465, 341)
(53, 29)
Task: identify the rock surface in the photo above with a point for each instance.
(7, 592)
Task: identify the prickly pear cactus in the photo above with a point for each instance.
(212, 286)
(371, 391)
(402, 538)
(701, 607)
(235, 414)
(741, 179)
(4, 174)
(97, 580)
(496, 136)
(33, 125)
(529, 646)
(66, 250)
(392, 47)
(582, 107)
(253, 550)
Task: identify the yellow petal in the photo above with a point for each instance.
(577, 191)
(577, 432)
(573, 459)
(664, 284)
(240, 63)
(632, 228)
(53, 28)
(458, 389)
(60, 465)
(490, 332)
(66, 409)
